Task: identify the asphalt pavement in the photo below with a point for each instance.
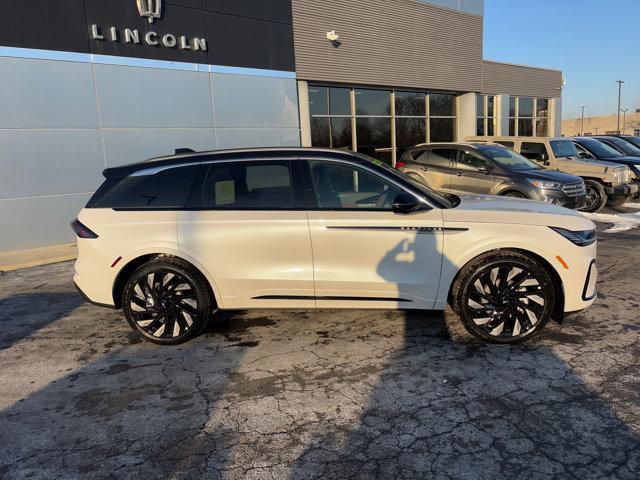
(324, 394)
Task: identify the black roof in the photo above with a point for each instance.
(215, 155)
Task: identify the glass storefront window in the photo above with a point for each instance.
(442, 105)
(409, 132)
(542, 127)
(480, 110)
(512, 127)
(480, 127)
(525, 127)
(410, 104)
(512, 106)
(378, 133)
(525, 107)
(485, 111)
(373, 102)
(442, 129)
(542, 107)
(374, 137)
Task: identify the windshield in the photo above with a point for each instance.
(626, 147)
(563, 148)
(445, 202)
(599, 149)
(507, 158)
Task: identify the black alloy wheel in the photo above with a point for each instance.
(514, 194)
(166, 302)
(504, 298)
(596, 196)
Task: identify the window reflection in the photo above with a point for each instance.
(374, 137)
(442, 129)
(373, 102)
(441, 104)
(410, 104)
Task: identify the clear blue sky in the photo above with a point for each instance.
(594, 43)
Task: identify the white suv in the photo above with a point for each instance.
(174, 239)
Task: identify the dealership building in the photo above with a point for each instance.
(91, 84)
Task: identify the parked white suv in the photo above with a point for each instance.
(174, 239)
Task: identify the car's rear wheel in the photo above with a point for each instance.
(504, 297)
(596, 196)
(167, 302)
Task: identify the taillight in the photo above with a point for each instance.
(82, 231)
(399, 165)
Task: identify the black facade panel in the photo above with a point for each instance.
(243, 42)
(270, 10)
(243, 33)
(175, 20)
(44, 24)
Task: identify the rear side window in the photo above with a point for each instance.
(438, 157)
(509, 145)
(165, 190)
(260, 185)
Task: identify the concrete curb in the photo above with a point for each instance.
(20, 259)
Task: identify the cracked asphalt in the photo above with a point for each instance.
(327, 394)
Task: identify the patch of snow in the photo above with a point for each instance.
(631, 205)
(621, 222)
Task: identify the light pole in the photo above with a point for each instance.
(619, 82)
(624, 118)
(582, 119)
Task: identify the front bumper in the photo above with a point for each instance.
(625, 190)
(558, 197)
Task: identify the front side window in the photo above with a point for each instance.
(258, 185)
(533, 150)
(470, 161)
(508, 158)
(340, 186)
(564, 148)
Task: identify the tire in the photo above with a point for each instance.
(504, 297)
(513, 194)
(596, 196)
(167, 301)
(617, 202)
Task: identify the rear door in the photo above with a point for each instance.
(366, 256)
(435, 167)
(246, 223)
(469, 178)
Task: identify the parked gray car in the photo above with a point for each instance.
(468, 168)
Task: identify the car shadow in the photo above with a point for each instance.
(23, 314)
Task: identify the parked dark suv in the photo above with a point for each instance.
(608, 149)
(490, 169)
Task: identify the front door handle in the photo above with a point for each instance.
(424, 169)
(460, 174)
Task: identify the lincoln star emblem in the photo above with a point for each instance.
(151, 9)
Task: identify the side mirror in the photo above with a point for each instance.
(484, 169)
(406, 204)
(585, 155)
(543, 157)
(546, 163)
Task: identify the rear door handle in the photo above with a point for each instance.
(460, 174)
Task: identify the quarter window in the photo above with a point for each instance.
(345, 187)
(165, 190)
(260, 185)
(438, 157)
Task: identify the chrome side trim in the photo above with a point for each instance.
(397, 229)
(61, 56)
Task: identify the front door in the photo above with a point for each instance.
(364, 255)
(472, 174)
(244, 224)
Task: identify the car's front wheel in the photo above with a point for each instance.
(166, 301)
(596, 196)
(504, 297)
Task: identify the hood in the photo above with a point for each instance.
(626, 160)
(493, 209)
(577, 162)
(551, 175)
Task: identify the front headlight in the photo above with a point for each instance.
(581, 238)
(544, 184)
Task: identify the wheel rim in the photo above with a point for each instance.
(506, 301)
(163, 304)
(592, 197)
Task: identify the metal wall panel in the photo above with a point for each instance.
(37, 222)
(46, 94)
(257, 137)
(124, 146)
(520, 80)
(401, 43)
(133, 97)
(49, 162)
(247, 101)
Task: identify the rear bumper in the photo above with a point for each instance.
(87, 299)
